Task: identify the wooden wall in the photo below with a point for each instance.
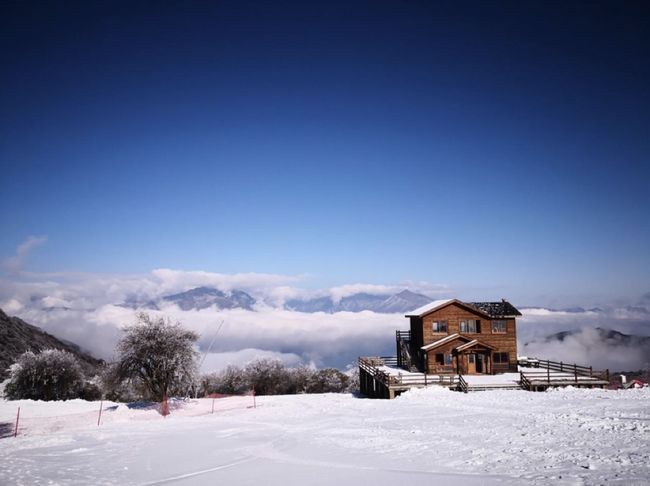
(453, 314)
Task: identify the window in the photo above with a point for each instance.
(448, 359)
(440, 359)
(500, 358)
(470, 326)
(439, 326)
(499, 327)
(471, 358)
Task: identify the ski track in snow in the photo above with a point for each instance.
(566, 436)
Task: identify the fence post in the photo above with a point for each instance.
(591, 372)
(17, 418)
(254, 403)
(548, 374)
(99, 417)
(213, 405)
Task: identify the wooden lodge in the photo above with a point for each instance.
(454, 337)
(452, 343)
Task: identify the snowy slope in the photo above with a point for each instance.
(427, 436)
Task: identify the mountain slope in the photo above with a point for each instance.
(204, 297)
(401, 302)
(17, 337)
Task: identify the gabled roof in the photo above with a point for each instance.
(488, 309)
(442, 341)
(431, 306)
(473, 343)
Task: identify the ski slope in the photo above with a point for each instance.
(567, 436)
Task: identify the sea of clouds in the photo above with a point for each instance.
(84, 309)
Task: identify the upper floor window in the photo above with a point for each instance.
(500, 358)
(470, 326)
(439, 326)
(499, 327)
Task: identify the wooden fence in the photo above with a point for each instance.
(559, 373)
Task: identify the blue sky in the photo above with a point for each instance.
(484, 145)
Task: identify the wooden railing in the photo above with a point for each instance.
(560, 366)
(462, 384)
(371, 365)
(523, 381)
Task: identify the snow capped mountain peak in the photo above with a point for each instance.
(381, 303)
(196, 299)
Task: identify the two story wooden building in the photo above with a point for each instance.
(450, 336)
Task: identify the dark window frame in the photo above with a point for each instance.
(497, 324)
(439, 327)
(469, 324)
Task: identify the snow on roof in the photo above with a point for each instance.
(474, 342)
(442, 341)
(429, 307)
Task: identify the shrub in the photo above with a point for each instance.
(51, 374)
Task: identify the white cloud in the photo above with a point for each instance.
(585, 345)
(180, 280)
(14, 264)
(94, 319)
(10, 306)
(218, 361)
(340, 292)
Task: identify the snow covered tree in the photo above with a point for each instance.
(268, 377)
(230, 381)
(51, 374)
(328, 380)
(159, 355)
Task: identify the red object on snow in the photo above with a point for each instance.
(164, 409)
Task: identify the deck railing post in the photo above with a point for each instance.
(548, 374)
(575, 372)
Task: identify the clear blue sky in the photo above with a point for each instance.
(477, 144)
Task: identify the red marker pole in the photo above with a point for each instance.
(254, 404)
(101, 406)
(213, 405)
(17, 418)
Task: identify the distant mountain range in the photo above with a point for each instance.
(205, 297)
(610, 337)
(17, 337)
(196, 299)
(401, 302)
(570, 310)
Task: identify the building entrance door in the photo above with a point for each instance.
(480, 363)
(471, 364)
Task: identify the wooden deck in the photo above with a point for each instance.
(380, 377)
(539, 375)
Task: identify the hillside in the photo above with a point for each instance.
(17, 336)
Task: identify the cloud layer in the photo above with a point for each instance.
(83, 309)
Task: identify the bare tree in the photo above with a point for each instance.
(158, 354)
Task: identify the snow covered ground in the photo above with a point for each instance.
(567, 436)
